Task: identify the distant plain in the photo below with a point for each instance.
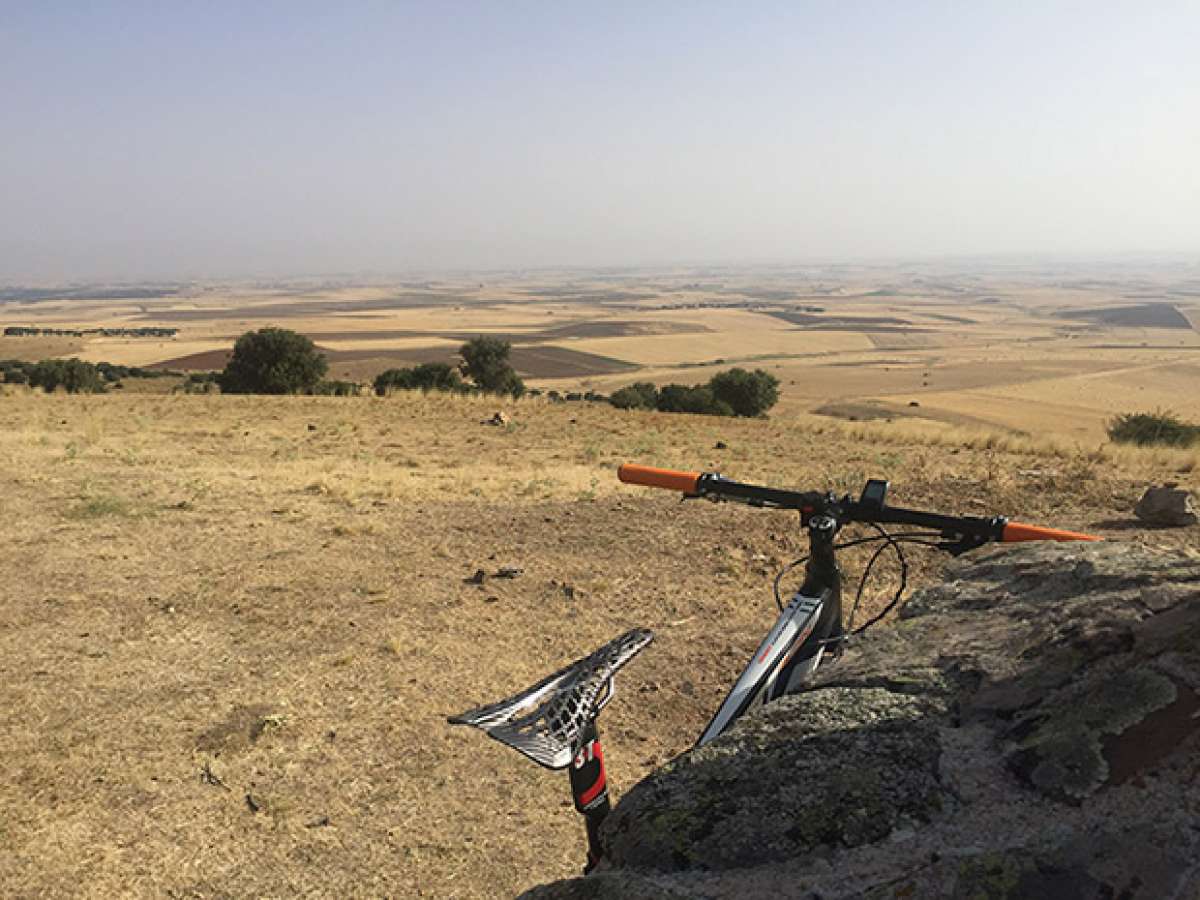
(1036, 350)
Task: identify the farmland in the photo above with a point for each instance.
(1030, 350)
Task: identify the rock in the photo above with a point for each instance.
(605, 885)
(1029, 727)
(1167, 505)
(720, 445)
(915, 403)
(312, 427)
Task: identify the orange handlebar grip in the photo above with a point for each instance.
(1018, 531)
(669, 479)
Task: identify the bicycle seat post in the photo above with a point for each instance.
(589, 788)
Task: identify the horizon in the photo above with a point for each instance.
(150, 144)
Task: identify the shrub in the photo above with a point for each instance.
(425, 377)
(746, 393)
(73, 375)
(1159, 428)
(272, 361)
(199, 383)
(639, 395)
(485, 362)
(336, 388)
(697, 399)
(113, 372)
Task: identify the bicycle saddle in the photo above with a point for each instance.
(546, 720)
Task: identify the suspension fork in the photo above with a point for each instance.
(589, 787)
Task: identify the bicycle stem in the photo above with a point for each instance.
(823, 572)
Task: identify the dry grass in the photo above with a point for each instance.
(232, 627)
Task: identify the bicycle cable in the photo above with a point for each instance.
(906, 537)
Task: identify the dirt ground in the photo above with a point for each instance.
(231, 628)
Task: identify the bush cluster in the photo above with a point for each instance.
(735, 392)
(1159, 428)
(72, 375)
(199, 383)
(484, 361)
(336, 388)
(425, 377)
(280, 361)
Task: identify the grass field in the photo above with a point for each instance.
(233, 626)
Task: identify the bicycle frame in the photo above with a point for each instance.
(789, 655)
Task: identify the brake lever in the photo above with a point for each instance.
(964, 544)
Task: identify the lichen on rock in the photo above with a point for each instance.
(1060, 750)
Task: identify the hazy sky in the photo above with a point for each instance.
(191, 139)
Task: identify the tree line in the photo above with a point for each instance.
(29, 331)
(280, 361)
(72, 375)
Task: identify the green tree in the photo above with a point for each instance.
(485, 362)
(272, 361)
(639, 395)
(746, 393)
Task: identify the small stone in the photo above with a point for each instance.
(1168, 505)
(720, 445)
(312, 427)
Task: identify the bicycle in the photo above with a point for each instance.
(553, 722)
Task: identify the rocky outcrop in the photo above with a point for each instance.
(1030, 727)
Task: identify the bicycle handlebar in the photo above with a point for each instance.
(973, 529)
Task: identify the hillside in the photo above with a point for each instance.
(232, 626)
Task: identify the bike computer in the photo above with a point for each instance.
(874, 493)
